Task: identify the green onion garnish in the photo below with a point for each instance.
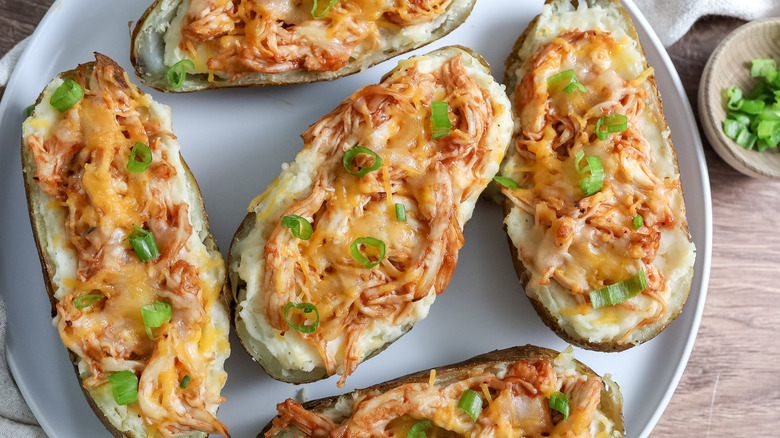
(362, 259)
(471, 402)
(66, 95)
(506, 182)
(185, 381)
(569, 78)
(573, 86)
(440, 119)
(418, 430)
(299, 226)
(638, 221)
(619, 292)
(400, 212)
(560, 403)
(177, 72)
(735, 98)
(86, 300)
(28, 110)
(154, 315)
(325, 12)
(349, 157)
(307, 308)
(143, 244)
(595, 181)
(753, 120)
(140, 158)
(613, 123)
(766, 68)
(124, 387)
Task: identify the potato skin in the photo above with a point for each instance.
(254, 347)
(611, 398)
(147, 49)
(36, 199)
(514, 63)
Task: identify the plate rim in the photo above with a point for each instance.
(651, 38)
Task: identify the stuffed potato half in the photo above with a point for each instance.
(595, 213)
(242, 43)
(134, 277)
(509, 394)
(350, 245)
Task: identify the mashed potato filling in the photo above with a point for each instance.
(91, 203)
(515, 402)
(235, 37)
(437, 181)
(573, 243)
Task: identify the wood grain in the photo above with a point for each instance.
(731, 386)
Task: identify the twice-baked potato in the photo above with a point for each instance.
(594, 206)
(350, 245)
(135, 279)
(249, 43)
(520, 391)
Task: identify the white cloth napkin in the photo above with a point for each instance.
(670, 19)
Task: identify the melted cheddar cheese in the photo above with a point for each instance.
(437, 180)
(573, 244)
(94, 202)
(515, 402)
(235, 37)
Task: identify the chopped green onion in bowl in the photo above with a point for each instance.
(753, 119)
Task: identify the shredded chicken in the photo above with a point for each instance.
(595, 232)
(430, 177)
(514, 405)
(82, 165)
(243, 36)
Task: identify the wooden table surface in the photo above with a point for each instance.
(731, 386)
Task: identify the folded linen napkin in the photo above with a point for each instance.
(670, 19)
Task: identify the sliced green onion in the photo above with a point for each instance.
(613, 123)
(185, 381)
(564, 76)
(752, 106)
(765, 128)
(573, 86)
(595, 181)
(506, 182)
(619, 292)
(299, 226)
(124, 387)
(735, 98)
(471, 402)
(763, 68)
(560, 402)
(400, 212)
(731, 128)
(569, 78)
(745, 138)
(143, 244)
(66, 95)
(742, 119)
(307, 308)
(86, 300)
(440, 119)
(154, 315)
(362, 259)
(638, 221)
(418, 430)
(142, 151)
(177, 72)
(349, 157)
(28, 110)
(325, 12)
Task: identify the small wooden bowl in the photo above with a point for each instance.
(729, 66)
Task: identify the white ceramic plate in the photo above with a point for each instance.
(235, 142)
